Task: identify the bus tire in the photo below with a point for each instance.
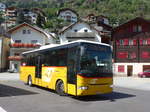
(30, 81)
(60, 88)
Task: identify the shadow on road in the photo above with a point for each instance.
(7, 91)
(112, 97)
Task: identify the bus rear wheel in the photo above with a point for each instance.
(60, 88)
(30, 81)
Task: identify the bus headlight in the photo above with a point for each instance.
(83, 87)
(111, 86)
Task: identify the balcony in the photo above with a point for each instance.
(80, 35)
(15, 58)
(24, 45)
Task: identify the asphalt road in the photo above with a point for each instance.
(17, 97)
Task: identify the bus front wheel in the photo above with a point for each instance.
(30, 81)
(60, 88)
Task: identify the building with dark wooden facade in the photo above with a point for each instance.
(131, 45)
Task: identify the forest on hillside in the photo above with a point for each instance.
(118, 11)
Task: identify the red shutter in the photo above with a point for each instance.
(141, 41)
(134, 41)
(126, 42)
(122, 55)
(117, 42)
(145, 54)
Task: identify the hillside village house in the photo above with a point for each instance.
(11, 16)
(93, 18)
(2, 7)
(25, 37)
(68, 15)
(4, 52)
(79, 30)
(132, 47)
(101, 24)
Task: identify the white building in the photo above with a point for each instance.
(25, 37)
(2, 7)
(68, 15)
(79, 30)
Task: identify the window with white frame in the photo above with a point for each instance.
(34, 41)
(23, 31)
(29, 31)
(121, 42)
(130, 42)
(17, 41)
(137, 28)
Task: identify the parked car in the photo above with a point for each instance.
(146, 73)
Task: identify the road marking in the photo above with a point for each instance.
(2, 110)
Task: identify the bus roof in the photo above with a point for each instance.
(64, 45)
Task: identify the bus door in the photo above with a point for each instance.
(72, 70)
(38, 70)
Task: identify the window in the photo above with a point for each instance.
(144, 41)
(75, 30)
(16, 54)
(120, 68)
(50, 59)
(17, 41)
(132, 55)
(29, 31)
(145, 54)
(130, 42)
(34, 41)
(121, 42)
(137, 28)
(85, 30)
(23, 31)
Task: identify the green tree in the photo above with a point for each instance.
(40, 22)
(20, 18)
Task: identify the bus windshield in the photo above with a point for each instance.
(96, 62)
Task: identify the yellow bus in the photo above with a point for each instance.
(77, 68)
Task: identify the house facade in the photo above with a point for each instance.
(25, 37)
(131, 45)
(101, 24)
(94, 18)
(79, 30)
(11, 16)
(68, 15)
(2, 7)
(4, 52)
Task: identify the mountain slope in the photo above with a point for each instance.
(118, 11)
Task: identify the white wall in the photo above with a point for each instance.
(80, 27)
(137, 67)
(2, 7)
(26, 38)
(68, 13)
